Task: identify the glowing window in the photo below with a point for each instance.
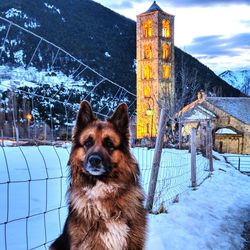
(165, 28)
(148, 54)
(166, 71)
(147, 28)
(165, 51)
(147, 91)
(147, 72)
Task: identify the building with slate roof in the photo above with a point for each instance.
(229, 118)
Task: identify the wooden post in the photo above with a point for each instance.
(210, 147)
(45, 131)
(193, 157)
(202, 139)
(156, 159)
(17, 135)
(2, 137)
(207, 141)
(180, 135)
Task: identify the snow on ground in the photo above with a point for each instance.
(210, 217)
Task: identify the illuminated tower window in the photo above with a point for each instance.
(148, 54)
(147, 72)
(147, 28)
(165, 51)
(165, 28)
(147, 91)
(166, 71)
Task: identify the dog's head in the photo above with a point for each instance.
(98, 145)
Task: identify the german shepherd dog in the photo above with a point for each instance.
(105, 198)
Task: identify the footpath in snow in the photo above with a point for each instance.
(211, 217)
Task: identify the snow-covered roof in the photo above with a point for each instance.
(238, 107)
(198, 113)
(225, 131)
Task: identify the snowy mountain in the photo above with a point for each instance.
(88, 30)
(238, 79)
(99, 37)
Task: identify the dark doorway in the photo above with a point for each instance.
(220, 147)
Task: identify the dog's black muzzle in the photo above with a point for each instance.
(96, 165)
(95, 161)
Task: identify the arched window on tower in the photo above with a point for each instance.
(147, 72)
(148, 54)
(147, 28)
(166, 71)
(147, 91)
(165, 28)
(165, 51)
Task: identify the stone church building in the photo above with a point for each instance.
(229, 118)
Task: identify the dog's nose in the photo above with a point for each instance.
(95, 160)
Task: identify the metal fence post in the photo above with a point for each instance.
(193, 158)
(239, 164)
(156, 159)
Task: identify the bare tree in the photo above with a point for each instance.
(185, 92)
(188, 86)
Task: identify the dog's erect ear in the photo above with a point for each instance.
(120, 118)
(85, 116)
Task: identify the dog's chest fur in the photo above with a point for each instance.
(96, 206)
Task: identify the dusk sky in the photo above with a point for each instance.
(217, 32)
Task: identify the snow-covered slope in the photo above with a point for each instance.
(46, 89)
(238, 79)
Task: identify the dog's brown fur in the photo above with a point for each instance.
(105, 211)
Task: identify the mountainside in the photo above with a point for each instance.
(238, 79)
(99, 37)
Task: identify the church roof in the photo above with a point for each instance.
(197, 113)
(153, 7)
(238, 107)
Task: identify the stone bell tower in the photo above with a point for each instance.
(155, 68)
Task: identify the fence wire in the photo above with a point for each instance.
(41, 87)
(174, 177)
(34, 180)
(38, 96)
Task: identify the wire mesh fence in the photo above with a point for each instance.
(41, 87)
(33, 182)
(33, 185)
(39, 99)
(240, 162)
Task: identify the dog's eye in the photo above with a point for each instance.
(89, 143)
(109, 144)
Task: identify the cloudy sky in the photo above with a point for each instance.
(217, 32)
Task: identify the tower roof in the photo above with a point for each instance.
(154, 7)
